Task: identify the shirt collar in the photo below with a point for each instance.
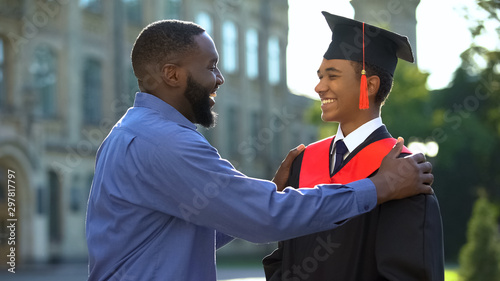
(166, 110)
(358, 136)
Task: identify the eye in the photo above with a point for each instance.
(331, 77)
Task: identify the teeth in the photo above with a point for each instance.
(325, 101)
(213, 95)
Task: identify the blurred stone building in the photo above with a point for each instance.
(66, 78)
(398, 16)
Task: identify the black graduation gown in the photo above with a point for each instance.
(398, 240)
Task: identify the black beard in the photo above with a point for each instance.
(199, 98)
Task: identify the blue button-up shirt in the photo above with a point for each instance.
(162, 201)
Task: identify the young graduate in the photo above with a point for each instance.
(398, 240)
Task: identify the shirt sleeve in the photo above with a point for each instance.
(222, 239)
(188, 179)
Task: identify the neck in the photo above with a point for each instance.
(349, 127)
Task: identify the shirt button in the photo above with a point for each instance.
(367, 207)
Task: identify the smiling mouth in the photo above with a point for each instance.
(212, 98)
(327, 101)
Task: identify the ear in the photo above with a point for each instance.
(171, 74)
(373, 83)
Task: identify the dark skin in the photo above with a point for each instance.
(171, 84)
(338, 90)
(173, 76)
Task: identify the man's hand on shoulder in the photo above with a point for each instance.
(399, 178)
(283, 172)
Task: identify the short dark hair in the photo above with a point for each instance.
(162, 41)
(386, 79)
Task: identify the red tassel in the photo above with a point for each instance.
(363, 88)
(363, 92)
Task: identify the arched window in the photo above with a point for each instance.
(229, 46)
(205, 20)
(44, 71)
(252, 53)
(92, 91)
(273, 51)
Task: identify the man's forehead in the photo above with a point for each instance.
(206, 45)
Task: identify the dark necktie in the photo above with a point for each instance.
(340, 151)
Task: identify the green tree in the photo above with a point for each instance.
(480, 257)
(466, 125)
(406, 107)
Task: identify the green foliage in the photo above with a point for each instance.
(480, 257)
(465, 123)
(408, 104)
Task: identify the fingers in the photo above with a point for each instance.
(300, 148)
(418, 157)
(293, 154)
(396, 150)
(425, 167)
(281, 176)
(426, 189)
(427, 179)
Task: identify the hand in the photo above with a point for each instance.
(281, 176)
(399, 178)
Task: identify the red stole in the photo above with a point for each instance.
(315, 168)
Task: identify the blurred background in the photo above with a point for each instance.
(66, 78)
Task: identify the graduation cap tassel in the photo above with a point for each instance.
(363, 91)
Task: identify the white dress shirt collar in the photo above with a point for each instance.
(358, 136)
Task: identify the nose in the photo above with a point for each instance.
(320, 88)
(220, 78)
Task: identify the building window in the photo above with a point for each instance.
(2, 71)
(273, 52)
(174, 9)
(229, 46)
(252, 50)
(44, 74)
(205, 20)
(40, 201)
(133, 11)
(92, 91)
(55, 219)
(94, 6)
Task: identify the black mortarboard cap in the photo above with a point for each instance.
(382, 47)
